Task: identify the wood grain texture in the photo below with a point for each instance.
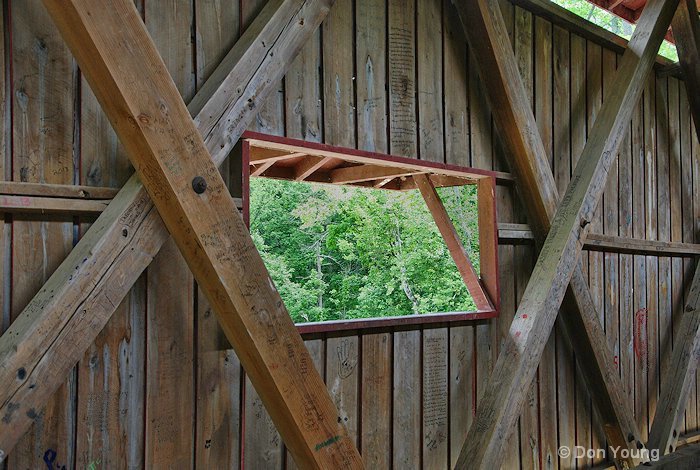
(485, 441)
(170, 311)
(237, 284)
(43, 85)
(105, 252)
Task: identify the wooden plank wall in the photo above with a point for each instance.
(385, 75)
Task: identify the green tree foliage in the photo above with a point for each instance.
(341, 252)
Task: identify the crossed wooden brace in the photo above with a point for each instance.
(126, 237)
(563, 229)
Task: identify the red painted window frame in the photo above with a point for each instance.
(487, 204)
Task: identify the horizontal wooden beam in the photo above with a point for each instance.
(514, 234)
(55, 329)
(64, 191)
(51, 205)
(359, 173)
(55, 199)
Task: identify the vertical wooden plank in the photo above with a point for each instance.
(653, 149)
(342, 373)
(686, 152)
(695, 151)
(338, 77)
(317, 350)
(461, 379)
(456, 82)
(456, 117)
(675, 186)
(650, 139)
(508, 206)
(639, 292)
(111, 389)
(371, 66)
(111, 375)
(530, 452)
(664, 310)
(608, 210)
(262, 444)
(524, 46)
(625, 355)
(5, 174)
(170, 313)
(429, 65)
(578, 139)
(407, 399)
(406, 421)
(544, 74)
(562, 173)
(435, 398)
(303, 93)
(376, 372)
(342, 379)
(375, 439)
(402, 71)
(219, 375)
(44, 83)
(430, 139)
(594, 99)
(270, 119)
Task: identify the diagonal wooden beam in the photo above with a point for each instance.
(517, 363)
(510, 105)
(684, 359)
(124, 69)
(675, 389)
(308, 166)
(686, 31)
(66, 315)
(454, 245)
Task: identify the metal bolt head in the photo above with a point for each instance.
(199, 184)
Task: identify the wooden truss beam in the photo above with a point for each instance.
(558, 262)
(686, 30)
(684, 359)
(454, 245)
(683, 365)
(124, 69)
(66, 315)
(686, 458)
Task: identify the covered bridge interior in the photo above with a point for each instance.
(140, 326)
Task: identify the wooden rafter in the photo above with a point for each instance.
(52, 333)
(308, 166)
(558, 264)
(125, 71)
(454, 245)
(684, 359)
